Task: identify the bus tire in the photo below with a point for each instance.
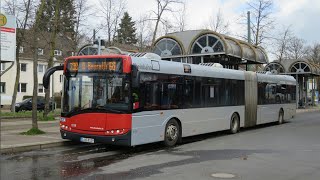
(234, 124)
(281, 116)
(172, 133)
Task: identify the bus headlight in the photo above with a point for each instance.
(116, 132)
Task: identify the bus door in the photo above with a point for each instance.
(152, 95)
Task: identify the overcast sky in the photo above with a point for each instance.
(302, 15)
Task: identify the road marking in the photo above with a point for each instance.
(223, 175)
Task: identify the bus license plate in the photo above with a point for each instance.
(87, 140)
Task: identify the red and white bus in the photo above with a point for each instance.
(128, 100)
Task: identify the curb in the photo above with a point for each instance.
(36, 146)
(306, 110)
(22, 117)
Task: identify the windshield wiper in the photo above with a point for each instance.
(79, 110)
(74, 110)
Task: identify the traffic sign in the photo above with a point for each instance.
(8, 37)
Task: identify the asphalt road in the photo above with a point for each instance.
(283, 152)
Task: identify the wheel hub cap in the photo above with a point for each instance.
(172, 132)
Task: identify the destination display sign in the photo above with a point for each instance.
(94, 65)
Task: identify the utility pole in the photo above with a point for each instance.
(99, 45)
(249, 35)
(249, 27)
(94, 35)
(249, 32)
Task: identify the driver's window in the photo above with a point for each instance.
(86, 91)
(99, 92)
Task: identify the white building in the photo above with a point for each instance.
(26, 71)
(26, 81)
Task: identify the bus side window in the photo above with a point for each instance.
(188, 93)
(281, 97)
(152, 96)
(261, 93)
(171, 91)
(197, 93)
(291, 93)
(148, 92)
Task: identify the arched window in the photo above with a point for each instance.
(88, 50)
(167, 47)
(274, 68)
(300, 67)
(207, 43)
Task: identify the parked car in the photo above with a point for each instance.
(26, 105)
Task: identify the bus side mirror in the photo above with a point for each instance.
(48, 73)
(135, 76)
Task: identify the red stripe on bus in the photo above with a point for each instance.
(97, 123)
(118, 121)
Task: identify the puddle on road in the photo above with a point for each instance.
(65, 163)
(43, 164)
(192, 157)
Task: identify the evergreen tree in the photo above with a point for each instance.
(67, 16)
(126, 31)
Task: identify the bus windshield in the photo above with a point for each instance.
(96, 92)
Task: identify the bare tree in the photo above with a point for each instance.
(36, 29)
(22, 11)
(111, 10)
(162, 7)
(51, 54)
(261, 21)
(217, 23)
(167, 26)
(117, 17)
(313, 53)
(83, 11)
(296, 49)
(144, 32)
(282, 44)
(180, 19)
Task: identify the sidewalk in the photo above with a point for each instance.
(12, 141)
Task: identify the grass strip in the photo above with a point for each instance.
(32, 132)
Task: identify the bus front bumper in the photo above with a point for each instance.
(121, 140)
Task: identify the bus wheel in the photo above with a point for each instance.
(280, 117)
(172, 133)
(234, 123)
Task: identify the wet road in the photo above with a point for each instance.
(289, 151)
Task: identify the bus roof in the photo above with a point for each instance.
(170, 67)
(280, 79)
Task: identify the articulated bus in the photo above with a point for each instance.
(129, 101)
